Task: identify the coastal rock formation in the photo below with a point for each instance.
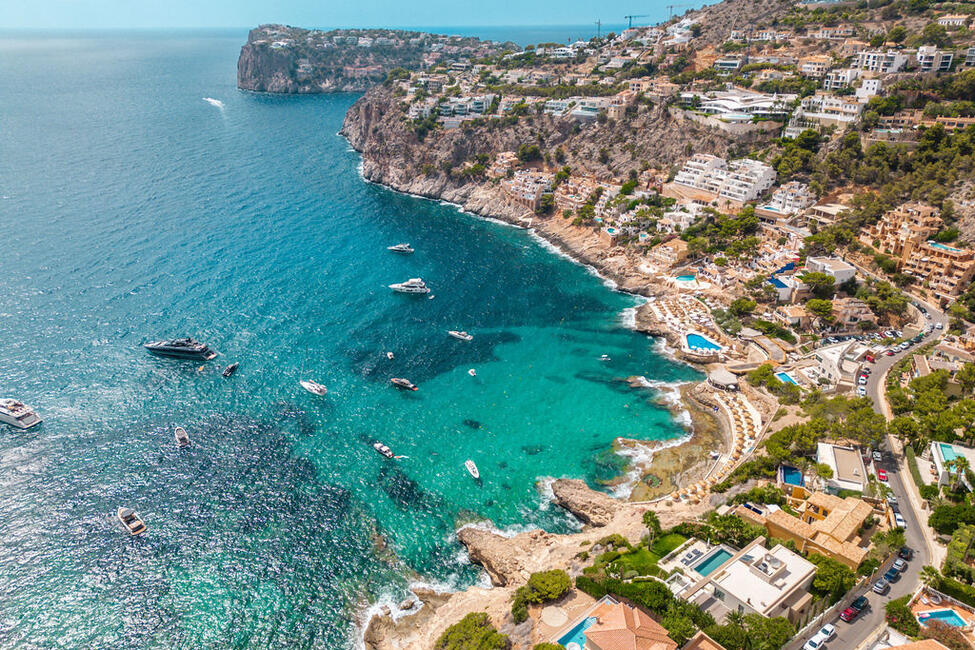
(497, 553)
(593, 508)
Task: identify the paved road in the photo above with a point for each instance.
(851, 635)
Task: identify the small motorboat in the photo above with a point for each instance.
(130, 519)
(231, 369)
(383, 449)
(182, 438)
(461, 335)
(605, 357)
(472, 372)
(472, 468)
(389, 355)
(400, 248)
(313, 387)
(405, 384)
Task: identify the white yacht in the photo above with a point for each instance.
(463, 336)
(17, 414)
(472, 468)
(313, 387)
(413, 285)
(400, 248)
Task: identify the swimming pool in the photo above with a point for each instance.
(685, 278)
(577, 634)
(947, 452)
(948, 616)
(712, 561)
(787, 378)
(777, 283)
(698, 341)
(944, 247)
(792, 476)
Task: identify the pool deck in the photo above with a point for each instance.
(920, 607)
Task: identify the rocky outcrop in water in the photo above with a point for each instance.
(591, 507)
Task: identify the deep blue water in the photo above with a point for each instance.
(132, 209)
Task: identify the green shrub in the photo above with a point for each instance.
(473, 632)
(542, 587)
(549, 646)
(900, 617)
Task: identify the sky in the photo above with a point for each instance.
(115, 14)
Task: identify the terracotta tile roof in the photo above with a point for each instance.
(620, 627)
(926, 644)
(702, 641)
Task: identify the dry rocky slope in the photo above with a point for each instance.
(393, 156)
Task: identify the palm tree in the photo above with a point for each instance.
(929, 575)
(652, 522)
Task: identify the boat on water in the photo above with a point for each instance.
(17, 414)
(131, 520)
(389, 355)
(383, 449)
(231, 369)
(400, 248)
(405, 384)
(472, 468)
(461, 335)
(413, 285)
(313, 387)
(182, 438)
(605, 357)
(185, 348)
(472, 372)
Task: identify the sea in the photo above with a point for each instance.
(142, 196)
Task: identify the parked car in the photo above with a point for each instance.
(899, 520)
(889, 353)
(881, 475)
(881, 587)
(939, 326)
(827, 631)
(892, 575)
(860, 603)
(815, 643)
(848, 614)
(863, 380)
(905, 553)
(900, 565)
(861, 391)
(877, 457)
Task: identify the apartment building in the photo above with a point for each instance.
(930, 59)
(737, 182)
(815, 66)
(840, 78)
(828, 109)
(970, 57)
(787, 200)
(526, 188)
(834, 33)
(945, 270)
(739, 102)
(849, 312)
(953, 20)
(502, 162)
(877, 61)
(840, 270)
(902, 230)
(669, 254)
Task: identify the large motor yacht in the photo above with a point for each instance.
(181, 349)
(413, 285)
(400, 248)
(17, 414)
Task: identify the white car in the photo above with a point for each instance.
(827, 631)
(940, 326)
(862, 381)
(818, 642)
(861, 391)
(899, 520)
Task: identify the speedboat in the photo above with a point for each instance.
(182, 438)
(231, 369)
(389, 355)
(463, 336)
(472, 468)
(605, 357)
(130, 519)
(181, 349)
(413, 285)
(400, 248)
(403, 383)
(472, 372)
(383, 449)
(313, 387)
(17, 414)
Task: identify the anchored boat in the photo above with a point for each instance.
(131, 520)
(313, 387)
(413, 285)
(405, 384)
(461, 335)
(400, 248)
(182, 438)
(185, 348)
(17, 414)
(472, 468)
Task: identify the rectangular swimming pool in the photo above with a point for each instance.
(792, 476)
(948, 616)
(712, 561)
(947, 452)
(785, 377)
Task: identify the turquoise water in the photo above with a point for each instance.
(949, 616)
(698, 341)
(709, 564)
(577, 634)
(792, 476)
(133, 209)
(947, 452)
(786, 377)
(686, 278)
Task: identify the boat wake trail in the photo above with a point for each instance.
(214, 102)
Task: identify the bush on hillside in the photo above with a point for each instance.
(542, 587)
(473, 632)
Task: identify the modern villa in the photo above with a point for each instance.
(611, 625)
